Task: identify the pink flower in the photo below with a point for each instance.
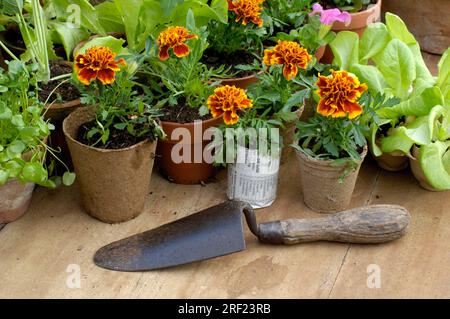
(329, 16)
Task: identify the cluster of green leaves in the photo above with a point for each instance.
(389, 60)
(285, 15)
(141, 18)
(185, 81)
(23, 131)
(120, 106)
(348, 5)
(279, 98)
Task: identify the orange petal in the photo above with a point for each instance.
(163, 53)
(247, 103)
(86, 75)
(106, 76)
(290, 71)
(353, 110)
(230, 118)
(181, 50)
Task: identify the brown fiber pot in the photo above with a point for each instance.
(418, 172)
(360, 20)
(288, 133)
(185, 173)
(322, 191)
(114, 184)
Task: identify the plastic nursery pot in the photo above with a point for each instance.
(418, 172)
(359, 22)
(321, 188)
(15, 197)
(114, 183)
(253, 178)
(193, 170)
(287, 133)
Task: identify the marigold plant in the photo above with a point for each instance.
(227, 101)
(174, 37)
(97, 63)
(289, 54)
(339, 95)
(247, 11)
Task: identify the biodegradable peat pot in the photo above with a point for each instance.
(427, 20)
(242, 83)
(253, 178)
(320, 184)
(418, 172)
(288, 133)
(15, 197)
(114, 184)
(393, 162)
(193, 171)
(359, 22)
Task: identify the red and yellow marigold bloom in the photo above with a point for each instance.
(289, 54)
(97, 63)
(226, 101)
(174, 38)
(247, 11)
(339, 94)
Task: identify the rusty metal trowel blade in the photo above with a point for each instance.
(213, 232)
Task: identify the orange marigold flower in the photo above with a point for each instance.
(174, 38)
(291, 55)
(97, 63)
(247, 10)
(226, 101)
(339, 95)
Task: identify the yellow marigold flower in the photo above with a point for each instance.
(291, 55)
(97, 63)
(247, 11)
(226, 101)
(174, 38)
(339, 95)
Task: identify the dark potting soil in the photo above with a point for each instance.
(118, 139)
(64, 93)
(329, 4)
(182, 114)
(216, 60)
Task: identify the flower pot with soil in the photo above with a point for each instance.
(235, 46)
(184, 86)
(331, 146)
(112, 141)
(23, 137)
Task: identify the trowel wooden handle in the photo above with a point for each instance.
(365, 225)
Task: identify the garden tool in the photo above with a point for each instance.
(219, 231)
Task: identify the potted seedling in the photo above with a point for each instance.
(237, 44)
(282, 88)
(23, 136)
(113, 139)
(331, 146)
(182, 86)
(249, 145)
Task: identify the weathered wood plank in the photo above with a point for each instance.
(416, 266)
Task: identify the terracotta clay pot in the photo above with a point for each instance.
(309, 110)
(288, 133)
(320, 52)
(114, 184)
(192, 172)
(15, 198)
(418, 172)
(322, 191)
(242, 83)
(360, 20)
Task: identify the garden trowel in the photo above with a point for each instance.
(219, 231)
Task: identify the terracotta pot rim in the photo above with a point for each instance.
(326, 163)
(190, 124)
(339, 26)
(95, 149)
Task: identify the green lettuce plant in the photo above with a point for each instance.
(389, 60)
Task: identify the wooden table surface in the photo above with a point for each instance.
(41, 253)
